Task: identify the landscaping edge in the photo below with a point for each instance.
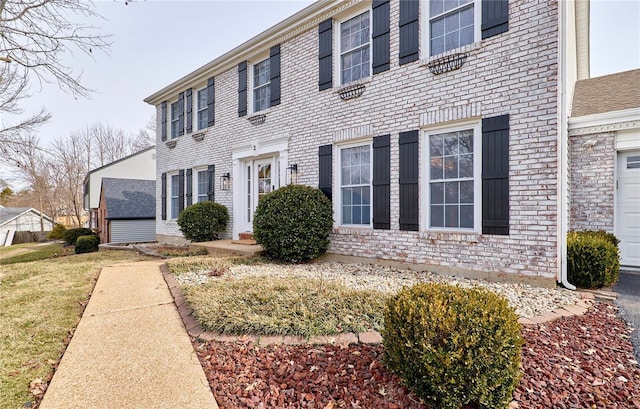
(194, 329)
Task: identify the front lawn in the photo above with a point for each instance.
(37, 252)
(40, 305)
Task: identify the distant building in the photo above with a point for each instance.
(22, 219)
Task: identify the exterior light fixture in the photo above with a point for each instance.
(225, 181)
(293, 173)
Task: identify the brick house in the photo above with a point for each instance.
(604, 147)
(438, 130)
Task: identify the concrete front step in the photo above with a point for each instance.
(246, 242)
(228, 247)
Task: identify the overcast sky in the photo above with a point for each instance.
(157, 42)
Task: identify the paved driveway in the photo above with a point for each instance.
(628, 289)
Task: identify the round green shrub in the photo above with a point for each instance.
(87, 244)
(453, 346)
(593, 259)
(293, 223)
(57, 233)
(203, 221)
(70, 236)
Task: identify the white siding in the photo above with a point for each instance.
(133, 231)
(28, 222)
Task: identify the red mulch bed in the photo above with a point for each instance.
(577, 362)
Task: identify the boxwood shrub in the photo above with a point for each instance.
(453, 346)
(57, 233)
(87, 244)
(203, 221)
(70, 236)
(293, 223)
(593, 259)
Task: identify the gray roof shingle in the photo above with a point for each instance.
(615, 92)
(8, 213)
(129, 198)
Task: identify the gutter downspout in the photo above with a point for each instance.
(563, 144)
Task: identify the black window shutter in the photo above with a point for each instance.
(495, 17)
(380, 36)
(180, 191)
(409, 31)
(409, 173)
(325, 169)
(495, 175)
(189, 187)
(274, 68)
(211, 101)
(211, 171)
(163, 120)
(181, 114)
(163, 197)
(325, 48)
(382, 182)
(189, 95)
(242, 89)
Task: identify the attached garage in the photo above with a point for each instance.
(604, 160)
(126, 213)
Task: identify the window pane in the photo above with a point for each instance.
(437, 193)
(436, 171)
(437, 216)
(366, 195)
(436, 7)
(466, 216)
(437, 45)
(451, 216)
(435, 145)
(451, 192)
(466, 36)
(202, 99)
(466, 192)
(346, 214)
(466, 166)
(451, 144)
(466, 18)
(451, 167)
(452, 23)
(437, 28)
(357, 215)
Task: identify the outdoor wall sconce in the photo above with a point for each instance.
(225, 181)
(293, 173)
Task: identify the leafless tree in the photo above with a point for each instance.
(68, 171)
(34, 37)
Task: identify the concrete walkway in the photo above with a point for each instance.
(130, 349)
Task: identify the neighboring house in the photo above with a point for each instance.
(140, 165)
(436, 128)
(16, 219)
(604, 140)
(127, 211)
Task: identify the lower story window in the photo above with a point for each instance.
(355, 181)
(175, 195)
(451, 180)
(203, 186)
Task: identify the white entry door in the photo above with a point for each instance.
(262, 178)
(627, 220)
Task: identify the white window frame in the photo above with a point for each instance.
(172, 120)
(338, 49)
(171, 196)
(338, 179)
(425, 21)
(250, 68)
(198, 109)
(196, 184)
(425, 171)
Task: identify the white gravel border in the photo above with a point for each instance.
(528, 301)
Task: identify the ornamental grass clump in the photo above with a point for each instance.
(293, 223)
(593, 259)
(203, 221)
(453, 346)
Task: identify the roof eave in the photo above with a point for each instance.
(239, 53)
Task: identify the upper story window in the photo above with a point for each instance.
(261, 85)
(451, 24)
(452, 180)
(203, 186)
(175, 119)
(203, 119)
(355, 40)
(355, 185)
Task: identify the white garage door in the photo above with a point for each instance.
(133, 231)
(628, 208)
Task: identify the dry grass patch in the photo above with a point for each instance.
(209, 263)
(277, 306)
(40, 303)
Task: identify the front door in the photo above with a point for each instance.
(261, 179)
(627, 213)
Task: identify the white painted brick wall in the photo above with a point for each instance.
(514, 73)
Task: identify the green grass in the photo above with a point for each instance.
(291, 306)
(40, 303)
(38, 253)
